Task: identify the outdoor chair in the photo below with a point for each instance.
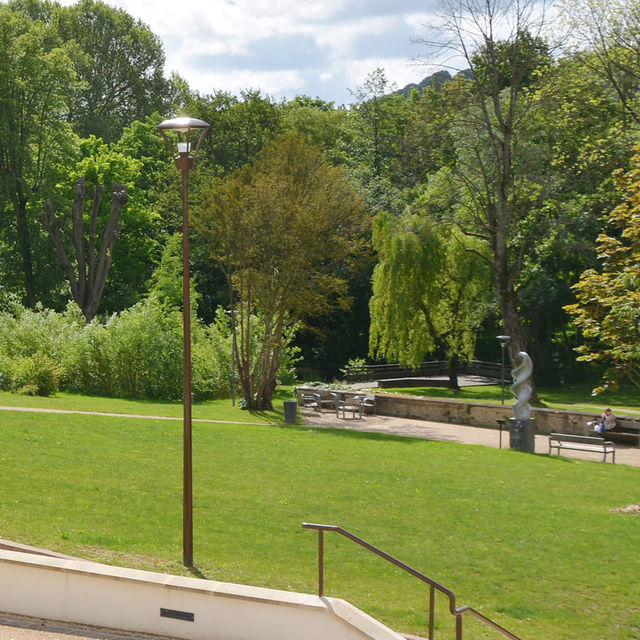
(311, 401)
(369, 403)
(353, 404)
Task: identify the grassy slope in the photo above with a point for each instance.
(529, 540)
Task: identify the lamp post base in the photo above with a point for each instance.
(522, 434)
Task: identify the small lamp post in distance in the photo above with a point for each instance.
(503, 343)
(179, 131)
(232, 314)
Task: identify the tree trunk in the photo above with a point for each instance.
(454, 369)
(87, 280)
(507, 300)
(24, 244)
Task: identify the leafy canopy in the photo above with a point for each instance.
(608, 306)
(286, 230)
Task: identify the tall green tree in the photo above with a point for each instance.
(120, 68)
(607, 36)
(373, 137)
(320, 124)
(87, 273)
(281, 228)
(496, 185)
(37, 80)
(243, 125)
(578, 129)
(607, 310)
(84, 229)
(240, 127)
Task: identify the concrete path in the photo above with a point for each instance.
(121, 415)
(426, 430)
(405, 427)
(22, 628)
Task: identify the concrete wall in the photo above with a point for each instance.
(88, 593)
(476, 414)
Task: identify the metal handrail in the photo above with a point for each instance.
(433, 585)
(429, 368)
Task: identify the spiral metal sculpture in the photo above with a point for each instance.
(521, 389)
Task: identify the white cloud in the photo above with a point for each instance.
(283, 47)
(340, 38)
(273, 83)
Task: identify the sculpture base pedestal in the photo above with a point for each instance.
(523, 434)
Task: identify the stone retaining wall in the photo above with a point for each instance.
(478, 414)
(475, 414)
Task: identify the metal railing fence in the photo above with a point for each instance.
(370, 372)
(434, 586)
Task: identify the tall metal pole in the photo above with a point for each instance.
(232, 315)
(503, 343)
(187, 507)
(185, 159)
(233, 376)
(502, 372)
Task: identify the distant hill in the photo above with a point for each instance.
(439, 77)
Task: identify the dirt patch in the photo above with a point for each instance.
(632, 508)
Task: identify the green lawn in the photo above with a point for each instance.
(530, 541)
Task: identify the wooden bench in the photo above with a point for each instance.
(582, 443)
(627, 431)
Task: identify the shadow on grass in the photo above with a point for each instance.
(197, 573)
(354, 434)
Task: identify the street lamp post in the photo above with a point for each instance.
(180, 132)
(503, 343)
(232, 314)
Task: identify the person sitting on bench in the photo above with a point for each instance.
(607, 422)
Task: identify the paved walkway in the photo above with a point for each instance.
(405, 427)
(426, 430)
(22, 628)
(120, 415)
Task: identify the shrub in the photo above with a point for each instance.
(7, 370)
(37, 375)
(211, 359)
(145, 349)
(136, 353)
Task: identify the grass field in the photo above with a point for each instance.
(530, 541)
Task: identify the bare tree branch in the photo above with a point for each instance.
(87, 279)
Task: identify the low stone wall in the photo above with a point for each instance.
(476, 414)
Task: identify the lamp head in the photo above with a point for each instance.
(179, 134)
(503, 340)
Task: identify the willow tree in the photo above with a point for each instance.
(429, 292)
(287, 230)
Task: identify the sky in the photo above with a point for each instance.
(284, 48)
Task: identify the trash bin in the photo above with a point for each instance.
(290, 411)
